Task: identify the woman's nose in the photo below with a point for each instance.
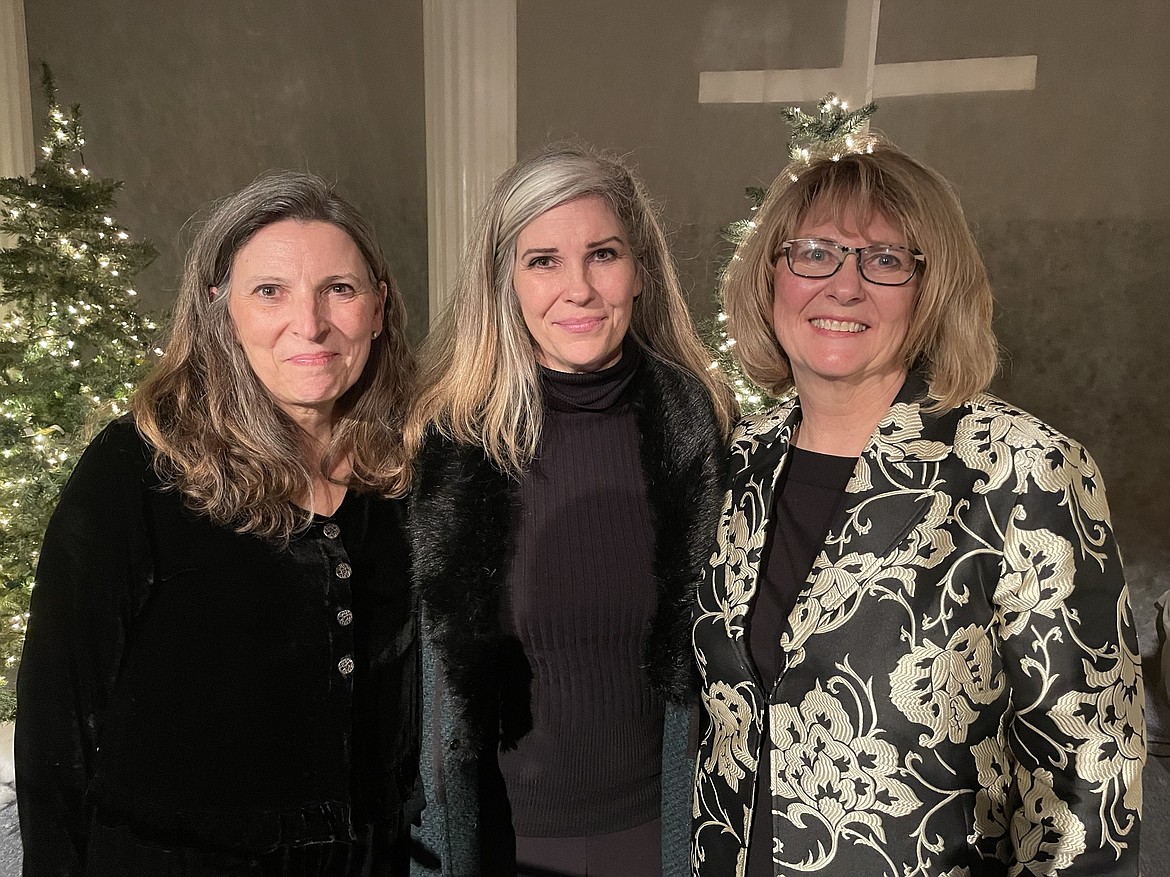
(578, 286)
(310, 315)
(846, 285)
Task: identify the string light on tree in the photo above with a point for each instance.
(833, 132)
(71, 344)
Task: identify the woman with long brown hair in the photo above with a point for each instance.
(219, 675)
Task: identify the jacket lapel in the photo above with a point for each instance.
(759, 450)
(904, 446)
(892, 489)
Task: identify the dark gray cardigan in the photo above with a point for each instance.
(475, 675)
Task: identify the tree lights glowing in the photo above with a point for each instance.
(833, 132)
(71, 344)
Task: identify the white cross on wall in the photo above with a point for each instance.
(859, 74)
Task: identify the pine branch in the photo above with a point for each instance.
(833, 132)
(72, 344)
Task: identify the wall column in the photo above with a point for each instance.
(16, 135)
(469, 49)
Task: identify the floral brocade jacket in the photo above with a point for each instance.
(960, 691)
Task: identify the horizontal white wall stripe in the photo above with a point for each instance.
(860, 79)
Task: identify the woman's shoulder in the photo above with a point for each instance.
(118, 453)
(439, 451)
(998, 420)
(671, 379)
(1005, 445)
(753, 425)
(105, 492)
(675, 395)
(448, 471)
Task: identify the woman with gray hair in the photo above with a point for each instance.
(569, 438)
(220, 670)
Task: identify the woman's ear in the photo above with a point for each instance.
(380, 310)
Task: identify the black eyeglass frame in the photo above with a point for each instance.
(786, 248)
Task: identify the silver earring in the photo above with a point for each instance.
(377, 332)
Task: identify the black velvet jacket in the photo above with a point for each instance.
(202, 688)
(461, 534)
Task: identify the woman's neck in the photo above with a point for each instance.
(328, 489)
(327, 496)
(839, 419)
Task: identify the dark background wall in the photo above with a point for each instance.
(187, 102)
(1067, 186)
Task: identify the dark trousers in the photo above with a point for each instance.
(634, 851)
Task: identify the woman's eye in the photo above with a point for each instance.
(540, 262)
(604, 255)
(267, 291)
(343, 290)
(888, 260)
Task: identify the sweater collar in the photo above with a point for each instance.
(592, 391)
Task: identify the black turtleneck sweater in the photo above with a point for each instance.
(581, 596)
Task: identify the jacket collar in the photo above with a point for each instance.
(907, 439)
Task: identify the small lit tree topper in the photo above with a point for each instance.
(833, 132)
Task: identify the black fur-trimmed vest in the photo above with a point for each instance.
(462, 530)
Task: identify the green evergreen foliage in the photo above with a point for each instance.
(72, 344)
(834, 131)
(722, 346)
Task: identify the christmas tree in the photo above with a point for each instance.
(833, 132)
(71, 344)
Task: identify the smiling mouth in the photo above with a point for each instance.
(578, 326)
(839, 326)
(312, 358)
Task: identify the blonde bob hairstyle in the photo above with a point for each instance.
(479, 382)
(218, 435)
(950, 337)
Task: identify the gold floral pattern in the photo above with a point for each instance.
(1038, 578)
(833, 772)
(731, 717)
(994, 768)
(1107, 721)
(734, 559)
(960, 677)
(1046, 835)
(832, 595)
(943, 687)
(998, 447)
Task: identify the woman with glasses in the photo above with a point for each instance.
(914, 634)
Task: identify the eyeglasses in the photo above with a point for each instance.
(883, 264)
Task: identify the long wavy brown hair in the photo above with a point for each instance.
(218, 436)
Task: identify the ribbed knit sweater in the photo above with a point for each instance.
(581, 595)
